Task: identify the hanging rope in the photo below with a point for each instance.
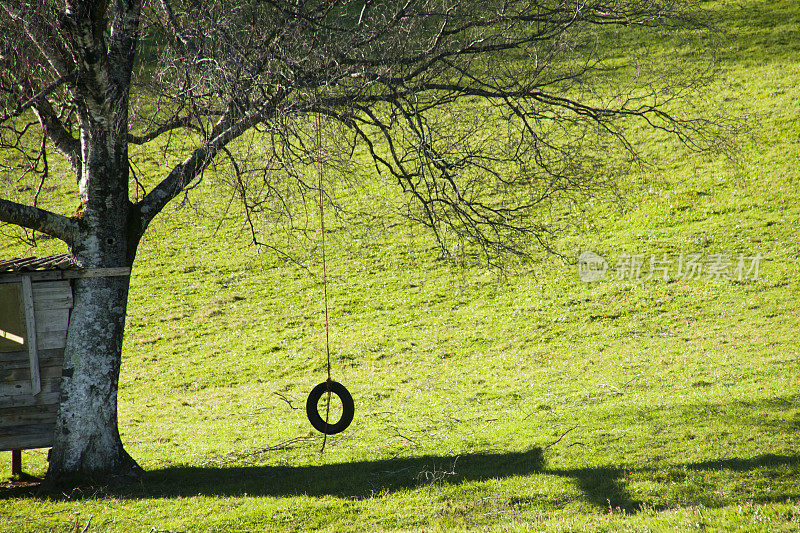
(329, 386)
(324, 281)
(322, 240)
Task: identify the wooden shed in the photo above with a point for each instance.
(35, 304)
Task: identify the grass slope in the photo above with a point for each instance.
(524, 401)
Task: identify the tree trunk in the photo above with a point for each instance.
(86, 443)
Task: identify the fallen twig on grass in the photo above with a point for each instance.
(85, 528)
(561, 437)
(436, 475)
(233, 456)
(285, 399)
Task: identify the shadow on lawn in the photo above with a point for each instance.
(604, 486)
(348, 480)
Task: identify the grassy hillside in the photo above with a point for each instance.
(521, 400)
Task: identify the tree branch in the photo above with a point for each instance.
(46, 44)
(191, 167)
(59, 134)
(177, 122)
(123, 38)
(31, 102)
(85, 23)
(191, 47)
(37, 219)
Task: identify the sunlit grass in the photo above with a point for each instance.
(521, 400)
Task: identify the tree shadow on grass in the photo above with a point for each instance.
(744, 465)
(360, 479)
(603, 486)
(606, 486)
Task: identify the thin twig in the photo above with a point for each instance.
(232, 457)
(21, 108)
(285, 399)
(559, 438)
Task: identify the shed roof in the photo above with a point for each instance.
(31, 264)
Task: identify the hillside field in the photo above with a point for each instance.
(522, 399)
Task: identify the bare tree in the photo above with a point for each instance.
(482, 112)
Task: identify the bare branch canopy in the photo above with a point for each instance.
(483, 114)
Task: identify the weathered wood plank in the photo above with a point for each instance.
(22, 355)
(47, 418)
(12, 376)
(25, 437)
(50, 362)
(16, 393)
(53, 294)
(50, 275)
(30, 323)
(52, 340)
(23, 419)
(34, 276)
(13, 357)
(14, 360)
(23, 388)
(45, 398)
(25, 429)
(25, 410)
(22, 416)
(48, 320)
(16, 388)
(97, 273)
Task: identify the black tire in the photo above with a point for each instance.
(348, 407)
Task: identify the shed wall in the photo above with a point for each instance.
(27, 419)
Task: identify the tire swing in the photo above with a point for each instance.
(328, 386)
(348, 407)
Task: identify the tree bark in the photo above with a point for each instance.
(86, 442)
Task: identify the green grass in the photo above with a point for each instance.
(524, 400)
